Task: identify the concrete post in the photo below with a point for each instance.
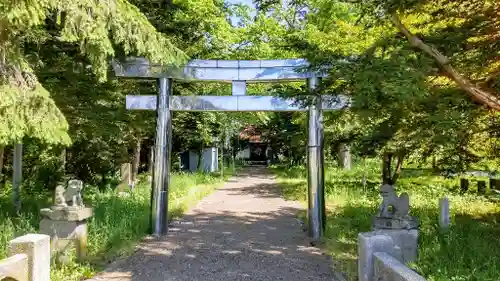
(315, 168)
(37, 248)
(368, 244)
(161, 172)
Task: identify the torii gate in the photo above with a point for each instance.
(237, 72)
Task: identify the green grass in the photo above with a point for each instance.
(118, 224)
(468, 251)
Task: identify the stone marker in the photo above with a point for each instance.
(464, 185)
(444, 213)
(481, 187)
(66, 221)
(37, 248)
(125, 176)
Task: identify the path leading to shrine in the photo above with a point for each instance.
(243, 231)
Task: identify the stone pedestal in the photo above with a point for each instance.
(403, 231)
(66, 226)
(408, 222)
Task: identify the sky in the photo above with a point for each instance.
(235, 20)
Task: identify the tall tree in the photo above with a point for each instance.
(97, 28)
(403, 97)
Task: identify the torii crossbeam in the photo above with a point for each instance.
(239, 73)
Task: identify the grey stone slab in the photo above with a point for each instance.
(211, 74)
(223, 103)
(228, 63)
(405, 241)
(249, 63)
(218, 70)
(387, 268)
(204, 103)
(15, 267)
(368, 244)
(266, 103)
(67, 214)
(37, 248)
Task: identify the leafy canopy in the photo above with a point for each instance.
(98, 28)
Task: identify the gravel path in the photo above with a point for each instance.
(243, 231)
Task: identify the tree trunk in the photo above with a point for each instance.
(17, 177)
(344, 156)
(399, 167)
(136, 161)
(388, 176)
(2, 149)
(151, 162)
(386, 168)
(480, 95)
(104, 182)
(363, 181)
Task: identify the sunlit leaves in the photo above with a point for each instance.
(401, 100)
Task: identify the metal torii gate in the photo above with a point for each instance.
(237, 72)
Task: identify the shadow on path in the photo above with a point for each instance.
(243, 231)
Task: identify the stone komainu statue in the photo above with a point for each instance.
(69, 196)
(400, 204)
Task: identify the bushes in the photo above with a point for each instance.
(466, 252)
(118, 222)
